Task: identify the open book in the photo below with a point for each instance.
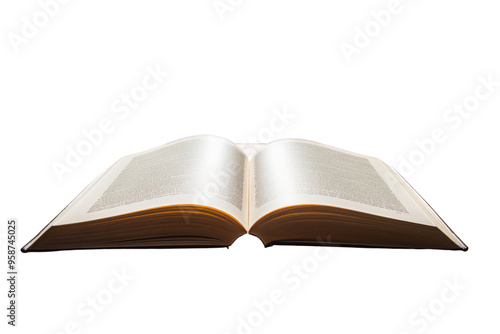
(206, 191)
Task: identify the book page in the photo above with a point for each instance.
(202, 170)
(296, 172)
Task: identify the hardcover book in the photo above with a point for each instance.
(206, 191)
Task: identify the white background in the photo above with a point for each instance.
(226, 76)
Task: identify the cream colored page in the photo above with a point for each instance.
(294, 172)
(203, 170)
